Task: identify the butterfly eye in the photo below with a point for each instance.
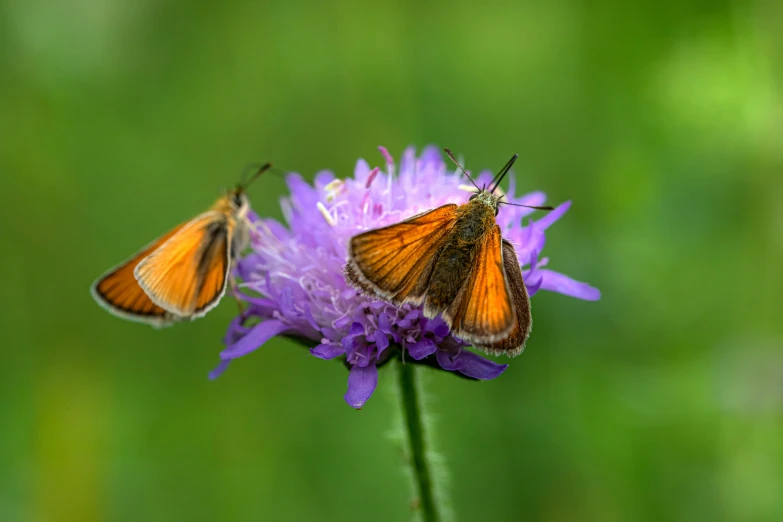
(471, 198)
(239, 200)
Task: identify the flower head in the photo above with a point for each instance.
(293, 279)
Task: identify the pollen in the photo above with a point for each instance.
(333, 189)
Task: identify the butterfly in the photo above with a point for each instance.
(184, 273)
(454, 261)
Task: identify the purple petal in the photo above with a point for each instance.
(438, 327)
(377, 306)
(421, 349)
(408, 162)
(383, 323)
(301, 192)
(277, 229)
(361, 171)
(356, 329)
(410, 318)
(348, 343)
(252, 216)
(533, 259)
(553, 216)
(357, 350)
(484, 179)
(331, 334)
(260, 302)
(534, 285)
(470, 364)
(327, 350)
(253, 340)
(361, 383)
(219, 369)
(381, 341)
(430, 157)
(526, 240)
(246, 266)
(342, 322)
(310, 319)
(557, 282)
(286, 300)
(235, 330)
(534, 199)
(323, 178)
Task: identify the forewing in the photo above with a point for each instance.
(483, 311)
(515, 342)
(120, 293)
(395, 262)
(187, 275)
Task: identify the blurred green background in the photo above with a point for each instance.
(661, 120)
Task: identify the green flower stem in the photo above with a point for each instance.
(428, 476)
(418, 445)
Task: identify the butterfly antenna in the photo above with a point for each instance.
(258, 170)
(460, 167)
(249, 169)
(546, 207)
(502, 173)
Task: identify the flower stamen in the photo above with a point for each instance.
(326, 214)
(333, 189)
(374, 172)
(468, 188)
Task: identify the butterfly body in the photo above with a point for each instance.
(453, 261)
(184, 273)
(457, 253)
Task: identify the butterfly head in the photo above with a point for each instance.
(239, 200)
(486, 195)
(487, 198)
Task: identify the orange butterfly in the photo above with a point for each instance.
(183, 274)
(454, 261)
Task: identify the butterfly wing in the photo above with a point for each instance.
(483, 311)
(187, 275)
(395, 262)
(514, 343)
(118, 291)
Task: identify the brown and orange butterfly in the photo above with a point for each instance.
(183, 274)
(454, 261)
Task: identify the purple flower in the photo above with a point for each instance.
(293, 279)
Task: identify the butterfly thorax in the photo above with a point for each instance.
(474, 219)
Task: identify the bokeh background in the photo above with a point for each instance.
(661, 120)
